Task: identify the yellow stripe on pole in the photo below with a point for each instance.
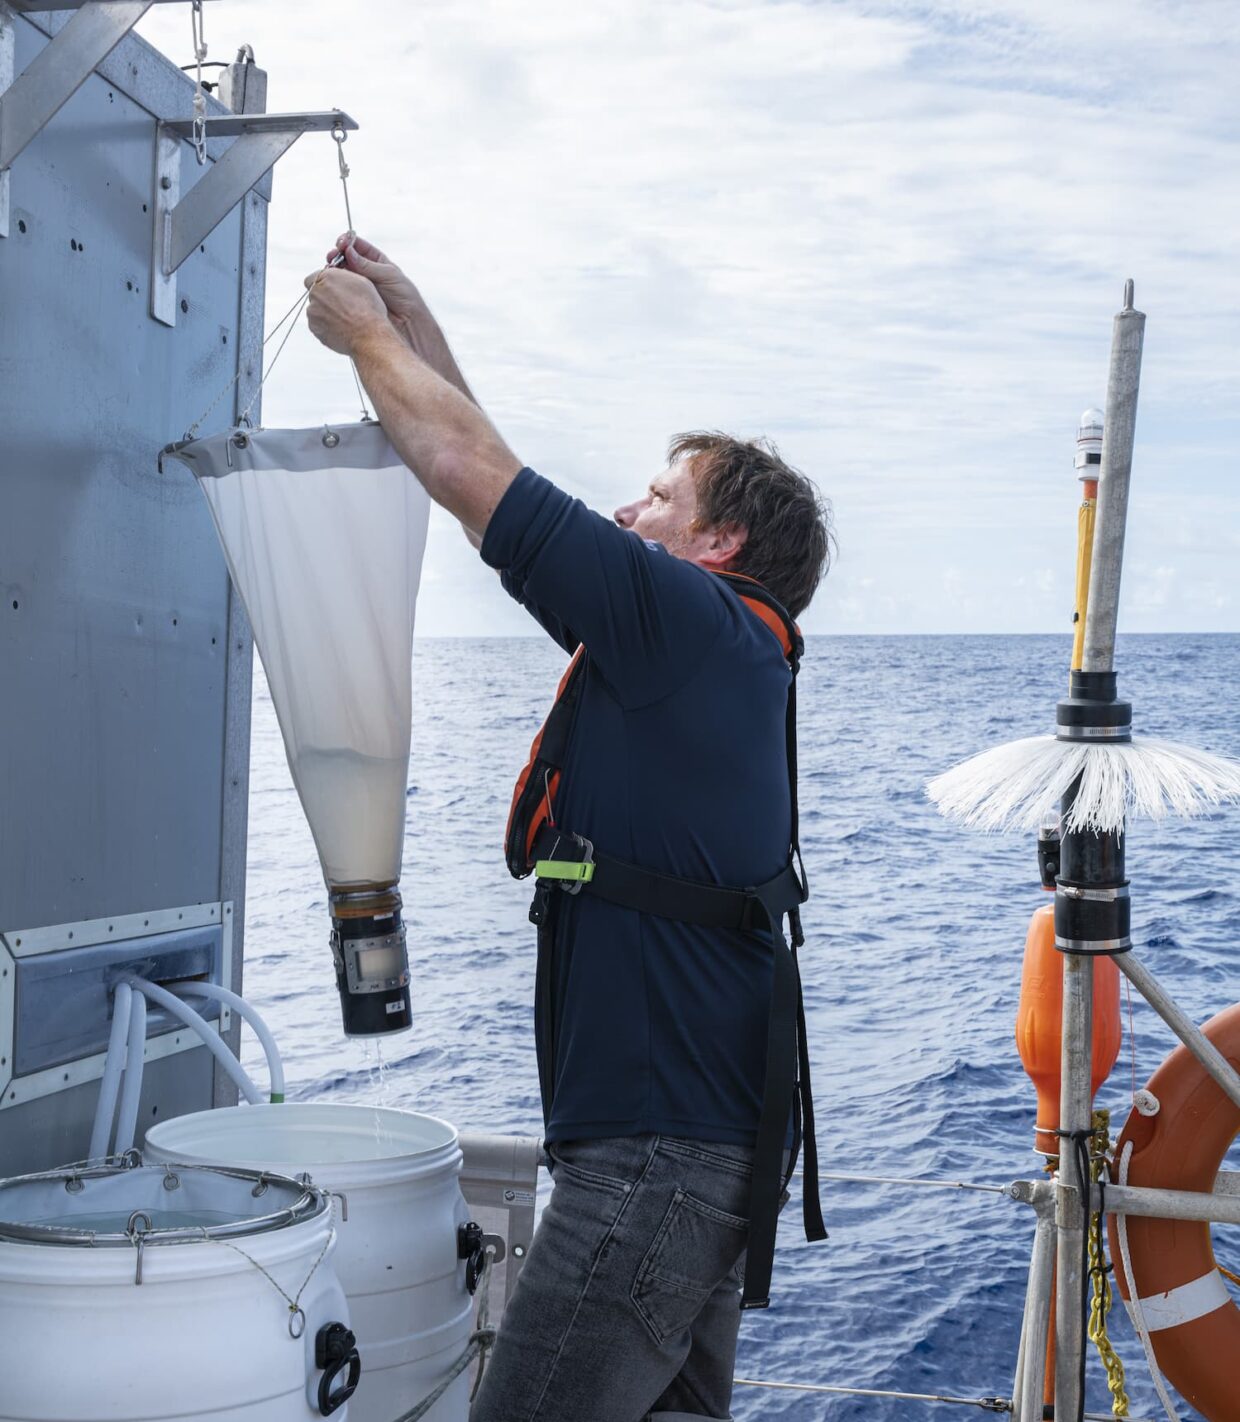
(1084, 560)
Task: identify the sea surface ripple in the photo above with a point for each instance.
(911, 969)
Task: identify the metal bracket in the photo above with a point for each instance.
(61, 67)
(182, 223)
(30, 100)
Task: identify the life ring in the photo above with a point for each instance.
(1193, 1322)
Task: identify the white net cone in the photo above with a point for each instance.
(323, 532)
(1015, 786)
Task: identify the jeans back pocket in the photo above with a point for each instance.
(692, 1253)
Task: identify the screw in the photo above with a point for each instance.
(165, 182)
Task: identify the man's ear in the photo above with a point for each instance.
(726, 542)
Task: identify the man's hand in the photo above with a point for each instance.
(343, 309)
(419, 394)
(403, 300)
(410, 316)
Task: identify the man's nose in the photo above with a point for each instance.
(627, 514)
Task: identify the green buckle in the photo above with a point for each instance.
(565, 870)
(568, 874)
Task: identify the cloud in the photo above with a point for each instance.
(890, 235)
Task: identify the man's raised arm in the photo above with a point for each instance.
(435, 426)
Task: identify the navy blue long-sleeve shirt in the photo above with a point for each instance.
(677, 761)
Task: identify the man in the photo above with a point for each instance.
(663, 782)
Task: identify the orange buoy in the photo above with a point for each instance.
(1192, 1320)
(1039, 1022)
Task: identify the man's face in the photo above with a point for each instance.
(667, 514)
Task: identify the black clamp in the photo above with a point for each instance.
(1048, 855)
(1092, 711)
(471, 1246)
(335, 1352)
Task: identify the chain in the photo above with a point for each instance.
(296, 1315)
(200, 94)
(1100, 1272)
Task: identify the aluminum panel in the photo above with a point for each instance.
(114, 601)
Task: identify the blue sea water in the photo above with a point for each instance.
(911, 973)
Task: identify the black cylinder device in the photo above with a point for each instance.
(1092, 906)
(372, 964)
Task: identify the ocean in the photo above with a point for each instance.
(912, 969)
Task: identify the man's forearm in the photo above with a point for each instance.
(436, 428)
(426, 337)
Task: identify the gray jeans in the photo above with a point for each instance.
(629, 1303)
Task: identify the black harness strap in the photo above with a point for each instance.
(786, 1090)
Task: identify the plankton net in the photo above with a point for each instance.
(324, 531)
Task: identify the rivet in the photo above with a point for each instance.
(165, 182)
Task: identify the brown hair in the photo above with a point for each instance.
(745, 483)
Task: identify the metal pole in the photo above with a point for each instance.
(1119, 430)
(1215, 1063)
(1018, 1380)
(1172, 1204)
(1075, 1114)
(1037, 1315)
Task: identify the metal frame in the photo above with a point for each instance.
(180, 224)
(46, 1129)
(33, 98)
(1058, 1204)
(30, 943)
(82, 46)
(500, 1173)
(30, 100)
(128, 64)
(243, 86)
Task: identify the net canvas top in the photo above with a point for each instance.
(358, 445)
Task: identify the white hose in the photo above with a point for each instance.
(212, 1040)
(113, 1064)
(131, 1092)
(275, 1067)
(1133, 1302)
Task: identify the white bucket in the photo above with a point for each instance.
(205, 1335)
(397, 1253)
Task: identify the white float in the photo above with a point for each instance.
(125, 1297)
(397, 1223)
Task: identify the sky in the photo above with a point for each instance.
(890, 236)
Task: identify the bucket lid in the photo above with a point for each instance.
(122, 1201)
